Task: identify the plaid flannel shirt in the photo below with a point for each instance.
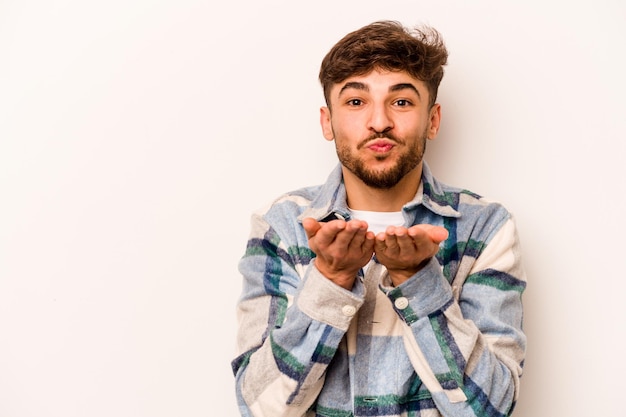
(447, 342)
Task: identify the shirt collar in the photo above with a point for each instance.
(331, 201)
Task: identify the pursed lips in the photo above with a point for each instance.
(380, 145)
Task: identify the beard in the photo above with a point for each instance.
(388, 178)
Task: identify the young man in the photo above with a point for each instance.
(382, 292)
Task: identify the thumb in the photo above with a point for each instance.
(311, 226)
(438, 234)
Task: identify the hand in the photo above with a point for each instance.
(342, 248)
(405, 251)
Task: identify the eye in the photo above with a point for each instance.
(402, 103)
(355, 102)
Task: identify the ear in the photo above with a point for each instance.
(325, 122)
(434, 121)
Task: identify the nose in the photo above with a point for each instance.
(379, 119)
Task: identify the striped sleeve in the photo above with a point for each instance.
(465, 339)
(290, 326)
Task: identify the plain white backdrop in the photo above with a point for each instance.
(136, 137)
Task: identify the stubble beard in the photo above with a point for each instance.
(387, 178)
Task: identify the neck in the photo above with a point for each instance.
(363, 197)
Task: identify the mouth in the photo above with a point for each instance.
(380, 146)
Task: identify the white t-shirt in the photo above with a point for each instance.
(378, 221)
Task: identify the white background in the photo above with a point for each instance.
(136, 137)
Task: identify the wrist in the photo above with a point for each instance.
(398, 276)
(344, 279)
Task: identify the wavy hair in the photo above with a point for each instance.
(386, 45)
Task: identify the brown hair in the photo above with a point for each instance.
(386, 45)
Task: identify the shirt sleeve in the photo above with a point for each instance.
(291, 321)
(465, 338)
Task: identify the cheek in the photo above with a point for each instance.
(343, 134)
(348, 127)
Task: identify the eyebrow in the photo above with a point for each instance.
(405, 86)
(355, 85)
(396, 87)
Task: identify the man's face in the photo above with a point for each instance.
(380, 123)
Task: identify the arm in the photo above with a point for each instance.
(291, 321)
(465, 340)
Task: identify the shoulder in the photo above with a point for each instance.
(475, 213)
(291, 202)
(278, 219)
(310, 200)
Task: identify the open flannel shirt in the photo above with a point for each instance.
(447, 342)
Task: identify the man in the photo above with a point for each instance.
(382, 292)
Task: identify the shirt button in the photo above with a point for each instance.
(348, 310)
(401, 303)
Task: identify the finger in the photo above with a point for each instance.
(391, 240)
(360, 233)
(368, 245)
(354, 231)
(436, 234)
(362, 246)
(355, 243)
(329, 232)
(406, 244)
(379, 242)
(311, 226)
